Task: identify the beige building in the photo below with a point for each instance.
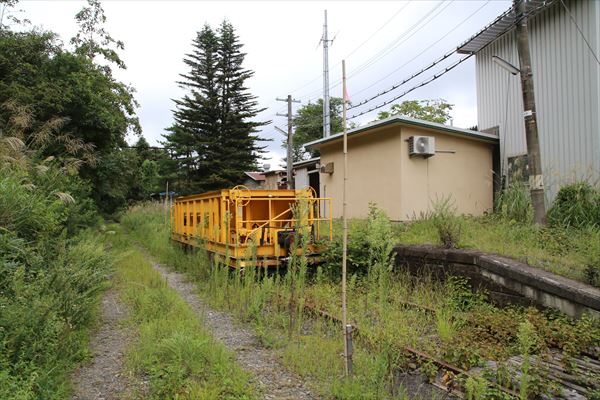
(275, 180)
(456, 163)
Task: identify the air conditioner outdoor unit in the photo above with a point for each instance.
(421, 146)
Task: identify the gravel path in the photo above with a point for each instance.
(104, 378)
(273, 379)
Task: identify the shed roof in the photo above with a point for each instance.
(257, 176)
(401, 120)
(504, 23)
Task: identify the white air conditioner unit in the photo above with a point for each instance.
(421, 146)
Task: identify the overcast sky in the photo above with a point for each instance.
(383, 43)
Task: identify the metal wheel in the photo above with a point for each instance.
(242, 194)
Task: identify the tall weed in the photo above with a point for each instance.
(447, 224)
(513, 203)
(576, 205)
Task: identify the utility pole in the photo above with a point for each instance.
(290, 140)
(326, 116)
(536, 177)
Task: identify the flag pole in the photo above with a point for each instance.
(346, 327)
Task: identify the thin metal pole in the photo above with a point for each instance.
(326, 117)
(536, 177)
(166, 205)
(347, 355)
(290, 144)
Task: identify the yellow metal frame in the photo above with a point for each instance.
(228, 222)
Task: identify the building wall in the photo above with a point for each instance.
(252, 184)
(461, 171)
(380, 171)
(272, 181)
(373, 173)
(567, 91)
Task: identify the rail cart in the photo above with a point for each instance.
(230, 222)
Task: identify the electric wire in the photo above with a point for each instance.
(390, 47)
(358, 47)
(580, 31)
(402, 38)
(430, 16)
(422, 52)
(425, 82)
(377, 31)
(431, 79)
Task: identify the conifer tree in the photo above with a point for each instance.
(214, 117)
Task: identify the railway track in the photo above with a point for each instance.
(573, 383)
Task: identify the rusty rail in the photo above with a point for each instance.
(413, 353)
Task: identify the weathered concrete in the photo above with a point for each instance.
(506, 279)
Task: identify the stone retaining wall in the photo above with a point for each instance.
(507, 280)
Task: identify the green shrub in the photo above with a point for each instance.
(46, 310)
(513, 203)
(50, 280)
(576, 205)
(370, 243)
(446, 223)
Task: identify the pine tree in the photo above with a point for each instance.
(214, 118)
(239, 150)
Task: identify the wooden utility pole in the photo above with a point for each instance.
(347, 328)
(536, 177)
(290, 141)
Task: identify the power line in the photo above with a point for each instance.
(580, 32)
(421, 53)
(377, 31)
(402, 38)
(358, 47)
(394, 87)
(425, 82)
(398, 41)
(434, 77)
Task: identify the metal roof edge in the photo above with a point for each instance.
(482, 31)
(485, 36)
(302, 162)
(396, 119)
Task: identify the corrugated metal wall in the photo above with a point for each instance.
(567, 91)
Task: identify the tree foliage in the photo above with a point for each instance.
(437, 110)
(308, 124)
(213, 138)
(70, 88)
(92, 39)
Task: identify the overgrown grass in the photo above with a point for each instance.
(172, 348)
(564, 251)
(274, 305)
(449, 321)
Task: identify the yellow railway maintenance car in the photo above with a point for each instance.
(230, 222)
